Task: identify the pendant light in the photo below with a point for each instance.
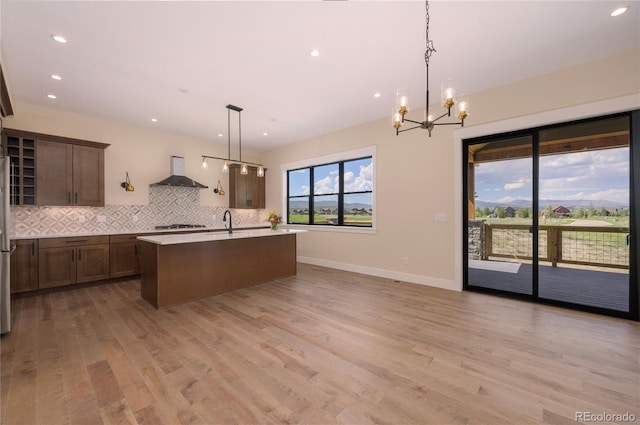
(244, 165)
(448, 92)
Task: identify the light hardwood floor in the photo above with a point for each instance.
(323, 347)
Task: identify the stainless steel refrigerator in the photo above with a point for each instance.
(5, 249)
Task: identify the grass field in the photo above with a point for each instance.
(328, 219)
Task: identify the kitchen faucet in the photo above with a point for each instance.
(224, 218)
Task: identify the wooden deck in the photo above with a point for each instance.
(323, 347)
(602, 289)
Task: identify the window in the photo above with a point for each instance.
(338, 193)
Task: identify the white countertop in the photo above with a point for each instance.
(130, 232)
(216, 236)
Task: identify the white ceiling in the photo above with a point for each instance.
(183, 62)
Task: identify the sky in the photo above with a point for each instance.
(588, 175)
(358, 177)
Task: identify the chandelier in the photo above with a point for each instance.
(449, 99)
(244, 165)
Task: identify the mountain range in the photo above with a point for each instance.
(571, 204)
(328, 204)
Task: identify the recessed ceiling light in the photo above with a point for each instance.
(154, 119)
(220, 134)
(315, 53)
(56, 77)
(59, 38)
(265, 134)
(619, 11)
(376, 95)
(51, 96)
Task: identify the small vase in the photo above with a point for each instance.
(274, 226)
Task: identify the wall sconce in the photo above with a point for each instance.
(219, 190)
(127, 183)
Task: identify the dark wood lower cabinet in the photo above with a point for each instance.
(56, 267)
(65, 261)
(24, 265)
(93, 263)
(124, 255)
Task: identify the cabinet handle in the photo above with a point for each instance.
(33, 248)
(76, 241)
(79, 254)
(68, 197)
(73, 256)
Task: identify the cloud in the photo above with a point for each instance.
(590, 175)
(325, 186)
(360, 183)
(517, 185)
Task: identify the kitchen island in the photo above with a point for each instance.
(180, 268)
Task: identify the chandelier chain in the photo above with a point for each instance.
(430, 49)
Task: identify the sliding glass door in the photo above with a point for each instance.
(500, 194)
(584, 214)
(549, 215)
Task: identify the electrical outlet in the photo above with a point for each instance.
(102, 218)
(214, 217)
(81, 219)
(134, 218)
(405, 260)
(441, 218)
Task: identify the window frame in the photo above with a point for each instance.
(340, 159)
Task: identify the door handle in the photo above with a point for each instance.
(628, 239)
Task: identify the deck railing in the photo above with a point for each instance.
(584, 245)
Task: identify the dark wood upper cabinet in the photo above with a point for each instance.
(54, 170)
(69, 174)
(55, 173)
(88, 176)
(22, 169)
(246, 191)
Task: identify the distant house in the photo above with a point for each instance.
(509, 212)
(561, 211)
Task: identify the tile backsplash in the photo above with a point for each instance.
(167, 205)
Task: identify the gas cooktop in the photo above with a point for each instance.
(181, 226)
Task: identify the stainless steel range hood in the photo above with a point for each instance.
(178, 179)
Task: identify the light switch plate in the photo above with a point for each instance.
(441, 218)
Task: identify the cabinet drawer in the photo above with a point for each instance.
(73, 241)
(126, 238)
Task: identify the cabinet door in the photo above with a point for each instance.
(54, 163)
(93, 263)
(24, 266)
(124, 259)
(88, 176)
(56, 267)
(237, 187)
(246, 191)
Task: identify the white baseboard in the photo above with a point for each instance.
(388, 274)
